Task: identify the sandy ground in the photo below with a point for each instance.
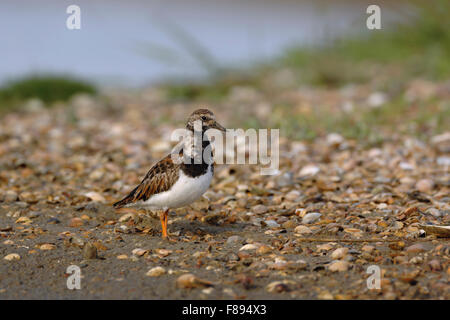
(311, 232)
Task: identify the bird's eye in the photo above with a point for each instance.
(204, 118)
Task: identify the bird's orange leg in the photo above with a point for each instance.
(163, 217)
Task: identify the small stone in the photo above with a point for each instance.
(339, 253)
(302, 230)
(190, 281)
(10, 196)
(271, 223)
(324, 247)
(435, 265)
(259, 209)
(122, 257)
(338, 266)
(12, 256)
(311, 217)
(415, 248)
(442, 141)
(263, 249)
(334, 139)
(376, 99)
(53, 220)
(434, 212)
(139, 252)
(309, 170)
(126, 217)
(233, 240)
(163, 252)
(24, 220)
(249, 246)
(95, 196)
(156, 272)
(325, 295)
(425, 185)
(89, 251)
(443, 161)
(368, 249)
(279, 286)
(416, 260)
(47, 246)
(76, 222)
(96, 175)
(208, 291)
(289, 224)
(293, 195)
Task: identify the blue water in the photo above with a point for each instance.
(132, 43)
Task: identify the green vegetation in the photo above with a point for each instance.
(387, 60)
(48, 89)
(418, 47)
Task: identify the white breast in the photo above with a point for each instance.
(185, 191)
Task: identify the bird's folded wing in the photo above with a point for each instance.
(161, 177)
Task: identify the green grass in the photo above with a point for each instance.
(386, 59)
(418, 47)
(47, 88)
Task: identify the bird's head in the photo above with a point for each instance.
(206, 118)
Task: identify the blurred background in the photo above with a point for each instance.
(135, 42)
(200, 51)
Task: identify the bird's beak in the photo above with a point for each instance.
(217, 126)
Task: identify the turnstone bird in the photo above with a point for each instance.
(169, 184)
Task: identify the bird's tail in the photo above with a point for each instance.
(128, 199)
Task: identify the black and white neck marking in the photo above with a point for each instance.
(197, 161)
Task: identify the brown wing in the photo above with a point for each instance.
(158, 179)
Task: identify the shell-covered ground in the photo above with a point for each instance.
(336, 207)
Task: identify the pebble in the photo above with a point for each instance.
(289, 224)
(339, 253)
(249, 246)
(190, 281)
(47, 246)
(302, 230)
(292, 195)
(434, 212)
(76, 222)
(325, 295)
(233, 240)
(443, 161)
(435, 265)
(425, 185)
(95, 196)
(122, 257)
(324, 247)
(368, 249)
(156, 272)
(10, 196)
(376, 99)
(415, 248)
(311, 217)
(309, 170)
(338, 266)
(279, 286)
(126, 217)
(12, 256)
(272, 223)
(334, 139)
(139, 252)
(260, 209)
(263, 249)
(89, 251)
